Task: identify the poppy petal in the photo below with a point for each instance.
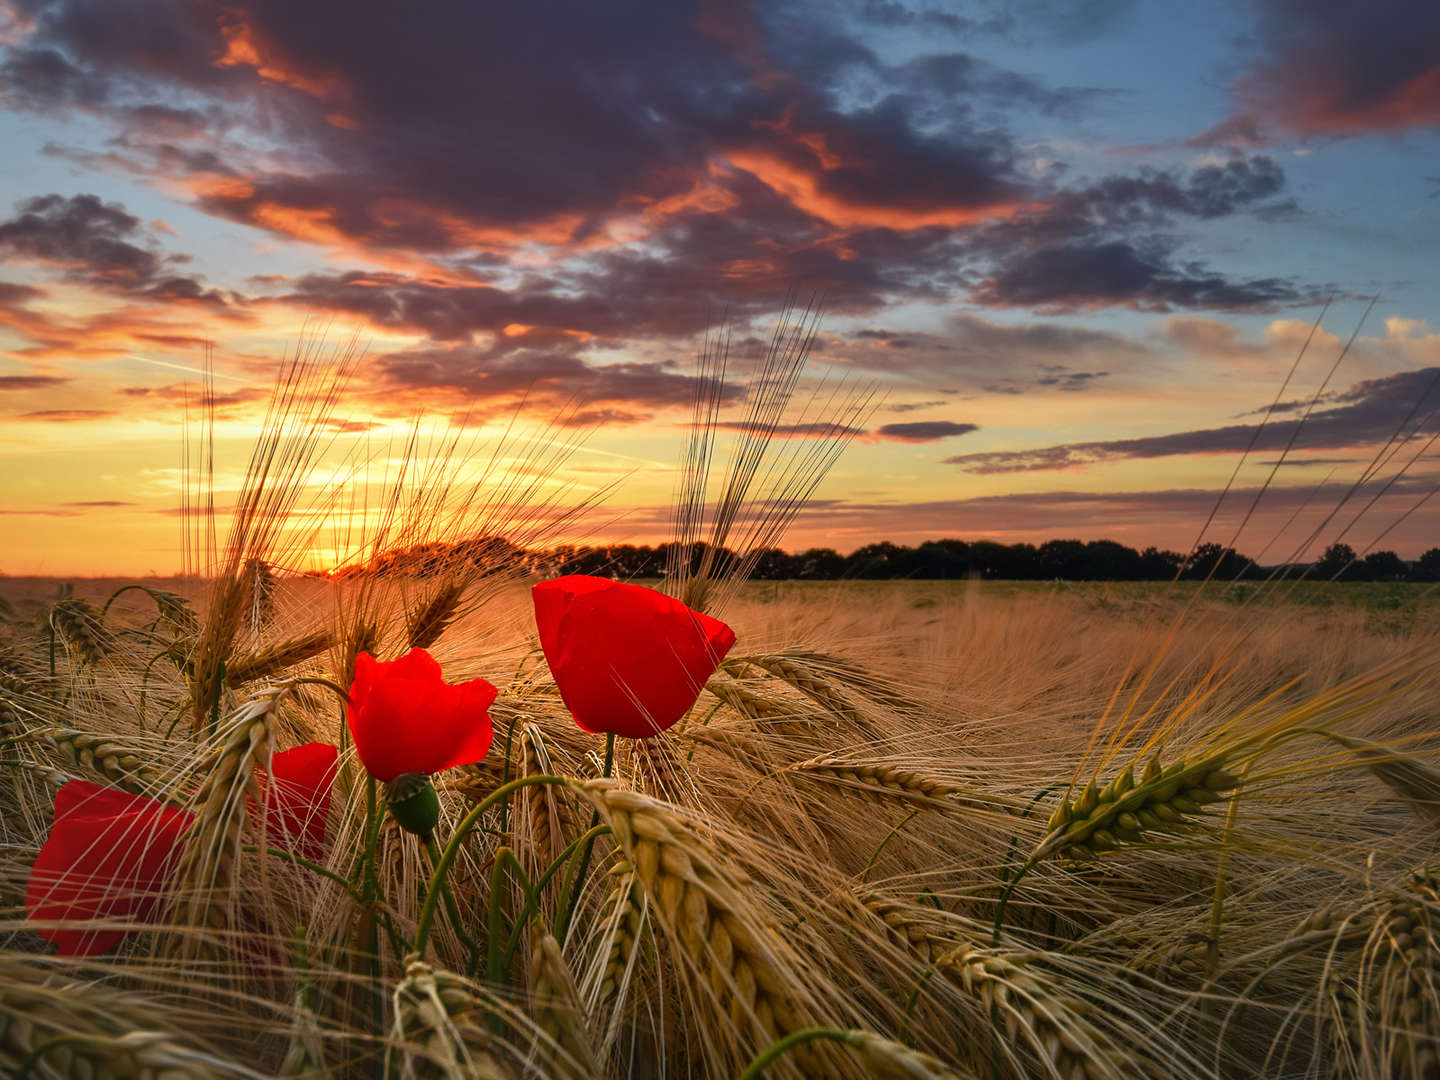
(299, 793)
(628, 660)
(405, 718)
(109, 855)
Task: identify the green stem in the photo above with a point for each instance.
(451, 909)
(316, 868)
(505, 773)
(567, 910)
(767, 1057)
(1005, 897)
(447, 856)
(884, 843)
(495, 915)
(1217, 904)
(532, 903)
(370, 892)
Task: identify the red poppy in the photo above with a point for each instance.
(299, 796)
(108, 856)
(405, 718)
(628, 660)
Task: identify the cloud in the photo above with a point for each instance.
(546, 378)
(1072, 277)
(998, 357)
(66, 416)
(919, 431)
(31, 382)
(1366, 414)
(1337, 69)
(93, 242)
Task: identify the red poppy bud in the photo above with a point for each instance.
(298, 797)
(405, 718)
(628, 660)
(108, 856)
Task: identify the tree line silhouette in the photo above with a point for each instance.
(1067, 560)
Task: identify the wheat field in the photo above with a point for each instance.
(912, 830)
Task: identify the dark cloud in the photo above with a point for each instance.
(1023, 21)
(90, 237)
(913, 406)
(545, 377)
(924, 430)
(98, 503)
(1071, 277)
(95, 242)
(997, 357)
(13, 294)
(810, 430)
(66, 416)
(1341, 68)
(31, 382)
(1366, 414)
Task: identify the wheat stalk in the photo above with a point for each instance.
(119, 764)
(750, 973)
(1054, 1025)
(1124, 809)
(431, 619)
(803, 678)
(277, 657)
(627, 902)
(78, 1029)
(745, 701)
(568, 1051)
(440, 1025)
(884, 779)
(1415, 782)
(540, 811)
(80, 625)
(206, 870)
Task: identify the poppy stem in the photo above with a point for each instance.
(452, 848)
(569, 900)
(532, 903)
(451, 909)
(768, 1056)
(369, 890)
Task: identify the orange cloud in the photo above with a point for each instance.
(803, 190)
(246, 47)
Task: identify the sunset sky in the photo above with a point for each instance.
(1075, 244)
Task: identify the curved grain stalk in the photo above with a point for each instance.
(108, 758)
(277, 657)
(739, 965)
(68, 1028)
(440, 1029)
(207, 867)
(568, 1051)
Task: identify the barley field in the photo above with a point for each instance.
(915, 829)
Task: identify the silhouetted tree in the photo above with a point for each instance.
(1336, 564)
(1221, 563)
(1382, 566)
(1157, 565)
(1427, 567)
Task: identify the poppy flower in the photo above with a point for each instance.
(406, 719)
(628, 660)
(298, 797)
(108, 856)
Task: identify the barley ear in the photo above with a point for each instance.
(206, 871)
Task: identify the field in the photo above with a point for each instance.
(888, 839)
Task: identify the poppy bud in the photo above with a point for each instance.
(413, 803)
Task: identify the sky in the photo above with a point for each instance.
(1073, 247)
